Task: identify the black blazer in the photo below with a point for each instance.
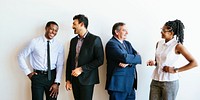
(91, 56)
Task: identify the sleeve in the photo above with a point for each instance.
(119, 55)
(68, 66)
(60, 64)
(23, 56)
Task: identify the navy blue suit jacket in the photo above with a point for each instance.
(118, 78)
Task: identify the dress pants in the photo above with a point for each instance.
(81, 92)
(40, 85)
(117, 95)
(163, 90)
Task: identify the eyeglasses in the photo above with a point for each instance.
(164, 31)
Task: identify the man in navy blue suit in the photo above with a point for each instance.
(122, 59)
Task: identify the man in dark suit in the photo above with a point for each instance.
(122, 59)
(85, 56)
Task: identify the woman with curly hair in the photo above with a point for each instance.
(165, 84)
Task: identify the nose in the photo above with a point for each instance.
(73, 26)
(126, 32)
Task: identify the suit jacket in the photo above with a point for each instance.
(118, 78)
(91, 56)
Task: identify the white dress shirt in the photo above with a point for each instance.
(37, 52)
(166, 56)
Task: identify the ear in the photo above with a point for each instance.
(46, 28)
(116, 32)
(82, 24)
(172, 33)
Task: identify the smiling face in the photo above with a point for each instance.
(77, 26)
(51, 31)
(121, 32)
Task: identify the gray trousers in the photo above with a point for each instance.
(163, 90)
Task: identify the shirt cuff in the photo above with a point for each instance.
(27, 72)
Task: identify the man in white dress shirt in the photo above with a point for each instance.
(36, 50)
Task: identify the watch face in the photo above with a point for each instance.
(57, 83)
(176, 70)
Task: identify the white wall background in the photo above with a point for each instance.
(22, 20)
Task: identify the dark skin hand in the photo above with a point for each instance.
(168, 69)
(31, 74)
(54, 90)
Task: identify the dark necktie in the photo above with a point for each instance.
(48, 61)
(124, 45)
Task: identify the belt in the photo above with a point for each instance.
(42, 71)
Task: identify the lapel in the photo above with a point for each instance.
(121, 45)
(73, 45)
(129, 49)
(126, 46)
(86, 41)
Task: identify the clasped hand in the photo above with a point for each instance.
(76, 72)
(123, 65)
(151, 63)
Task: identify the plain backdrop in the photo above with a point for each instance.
(23, 20)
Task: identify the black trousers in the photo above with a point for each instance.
(81, 92)
(40, 85)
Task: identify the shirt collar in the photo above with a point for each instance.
(45, 39)
(121, 41)
(170, 42)
(83, 36)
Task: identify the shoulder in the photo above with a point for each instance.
(160, 42)
(179, 48)
(39, 38)
(127, 42)
(74, 39)
(112, 42)
(90, 35)
(36, 40)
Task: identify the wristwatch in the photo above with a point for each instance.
(57, 83)
(176, 70)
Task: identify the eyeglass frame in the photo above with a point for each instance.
(163, 31)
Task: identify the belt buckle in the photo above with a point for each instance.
(44, 72)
